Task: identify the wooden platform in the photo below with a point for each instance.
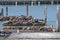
(35, 36)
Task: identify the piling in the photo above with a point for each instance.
(45, 14)
(26, 9)
(6, 11)
(58, 19)
(2, 11)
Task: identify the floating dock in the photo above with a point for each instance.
(34, 36)
(24, 21)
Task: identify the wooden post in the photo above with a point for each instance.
(2, 11)
(6, 11)
(26, 9)
(45, 14)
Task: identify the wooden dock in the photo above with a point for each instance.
(34, 36)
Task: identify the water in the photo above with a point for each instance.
(2, 38)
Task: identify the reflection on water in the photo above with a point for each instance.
(2, 38)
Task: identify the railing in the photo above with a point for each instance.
(29, 2)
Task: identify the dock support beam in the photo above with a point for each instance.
(26, 9)
(58, 19)
(2, 11)
(45, 14)
(52, 2)
(6, 11)
(16, 3)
